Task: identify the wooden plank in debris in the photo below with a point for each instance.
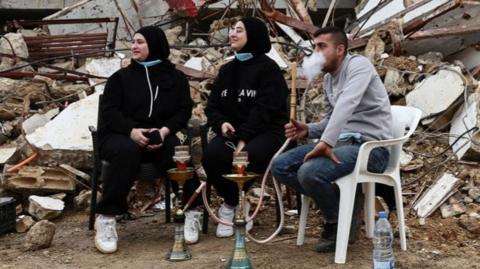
(436, 194)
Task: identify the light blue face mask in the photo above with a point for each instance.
(150, 63)
(244, 56)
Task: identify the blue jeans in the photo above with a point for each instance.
(314, 177)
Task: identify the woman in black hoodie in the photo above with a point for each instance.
(247, 107)
(148, 98)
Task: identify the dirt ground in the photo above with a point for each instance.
(144, 242)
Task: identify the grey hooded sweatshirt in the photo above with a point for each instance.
(356, 101)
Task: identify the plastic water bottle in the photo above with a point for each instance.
(382, 244)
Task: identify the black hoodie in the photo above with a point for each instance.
(251, 95)
(146, 97)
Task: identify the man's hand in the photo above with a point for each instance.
(137, 135)
(296, 130)
(322, 149)
(164, 131)
(227, 130)
(241, 144)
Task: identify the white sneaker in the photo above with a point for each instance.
(106, 235)
(192, 226)
(226, 214)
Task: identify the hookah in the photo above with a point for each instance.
(180, 174)
(240, 257)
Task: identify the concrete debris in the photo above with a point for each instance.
(45, 208)
(24, 223)
(7, 154)
(466, 144)
(38, 120)
(12, 43)
(438, 92)
(37, 178)
(425, 52)
(452, 210)
(62, 142)
(255, 192)
(470, 223)
(82, 200)
(40, 236)
(443, 188)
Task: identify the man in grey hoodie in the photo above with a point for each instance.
(357, 110)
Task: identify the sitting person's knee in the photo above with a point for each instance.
(279, 166)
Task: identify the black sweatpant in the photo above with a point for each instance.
(218, 157)
(125, 157)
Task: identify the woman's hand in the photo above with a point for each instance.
(227, 130)
(164, 131)
(241, 144)
(137, 135)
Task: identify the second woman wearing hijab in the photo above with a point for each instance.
(247, 107)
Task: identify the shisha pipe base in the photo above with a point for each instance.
(239, 259)
(179, 251)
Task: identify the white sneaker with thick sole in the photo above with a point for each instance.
(106, 237)
(226, 214)
(192, 226)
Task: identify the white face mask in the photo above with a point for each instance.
(312, 65)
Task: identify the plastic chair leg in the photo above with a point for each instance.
(369, 211)
(347, 201)
(303, 220)
(400, 215)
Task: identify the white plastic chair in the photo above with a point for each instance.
(405, 121)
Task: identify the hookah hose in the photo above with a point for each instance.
(250, 218)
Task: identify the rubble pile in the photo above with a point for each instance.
(47, 103)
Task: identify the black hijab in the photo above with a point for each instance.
(258, 40)
(157, 43)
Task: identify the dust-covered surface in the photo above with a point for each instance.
(144, 242)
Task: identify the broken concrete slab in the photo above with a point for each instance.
(452, 210)
(474, 194)
(45, 208)
(196, 63)
(102, 67)
(66, 138)
(7, 154)
(438, 92)
(20, 88)
(435, 195)
(24, 223)
(467, 147)
(470, 223)
(37, 120)
(12, 43)
(37, 178)
(40, 235)
(82, 200)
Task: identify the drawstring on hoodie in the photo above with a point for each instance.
(153, 97)
(151, 92)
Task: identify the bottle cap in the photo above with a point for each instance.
(382, 215)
